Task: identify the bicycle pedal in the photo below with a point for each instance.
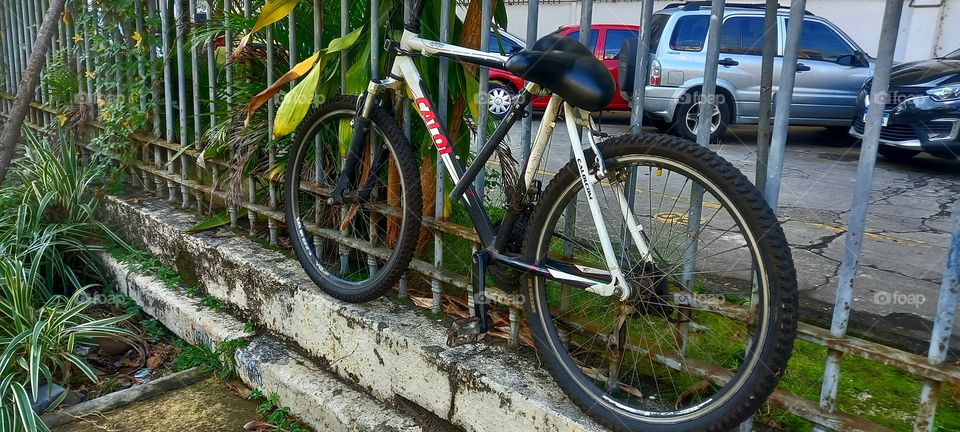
(465, 331)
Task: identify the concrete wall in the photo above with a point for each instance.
(929, 28)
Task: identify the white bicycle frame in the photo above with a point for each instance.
(404, 71)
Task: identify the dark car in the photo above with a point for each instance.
(922, 112)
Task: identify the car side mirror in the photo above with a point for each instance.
(627, 67)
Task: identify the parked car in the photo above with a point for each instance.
(922, 110)
(830, 72)
(605, 42)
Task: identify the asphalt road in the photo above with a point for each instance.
(908, 226)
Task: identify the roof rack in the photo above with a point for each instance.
(696, 5)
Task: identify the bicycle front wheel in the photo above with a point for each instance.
(708, 330)
(357, 250)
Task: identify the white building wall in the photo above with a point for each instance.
(929, 28)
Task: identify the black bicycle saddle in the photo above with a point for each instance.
(567, 68)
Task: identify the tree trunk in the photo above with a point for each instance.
(28, 86)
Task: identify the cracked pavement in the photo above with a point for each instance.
(909, 226)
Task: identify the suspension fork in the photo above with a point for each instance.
(344, 190)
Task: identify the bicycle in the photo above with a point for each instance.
(656, 319)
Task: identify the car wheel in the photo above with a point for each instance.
(896, 153)
(686, 121)
(500, 99)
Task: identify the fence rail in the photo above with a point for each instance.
(180, 86)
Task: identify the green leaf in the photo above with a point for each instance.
(36, 350)
(344, 42)
(82, 365)
(217, 221)
(272, 12)
(296, 104)
(25, 412)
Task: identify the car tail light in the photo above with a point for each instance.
(655, 73)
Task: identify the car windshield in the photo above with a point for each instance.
(953, 56)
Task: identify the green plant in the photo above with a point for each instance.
(220, 361)
(47, 216)
(38, 342)
(211, 302)
(276, 414)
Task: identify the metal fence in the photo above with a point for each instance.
(181, 104)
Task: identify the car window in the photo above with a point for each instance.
(742, 35)
(615, 38)
(656, 30)
(953, 56)
(575, 35)
(503, 44)
(689, 33)
(819, 42)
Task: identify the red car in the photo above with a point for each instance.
(605, 41)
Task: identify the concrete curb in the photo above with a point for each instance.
(392, 351)
(317, 397)
(123, 397)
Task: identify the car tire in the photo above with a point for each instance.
(684, 125)
(896, 153)
(500, 97)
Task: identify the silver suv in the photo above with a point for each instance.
(830, 73)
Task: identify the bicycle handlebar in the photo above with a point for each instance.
(415, 14)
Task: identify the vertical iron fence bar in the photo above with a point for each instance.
(15, 39)
(766, 90)
(30, 21)
(641, 75)
(271, 112)
(708, 100)
(292, 53)
(44, 4)
(182, 111)
(942, 328)
(570, 213)
(228, 88)
(8, 67)
(317, 166)
(144, 80)
(344, 29)
(861, 196)
(640, 80)
(784, 98)
(92, 86)
(212, 103)
(155, 74)
(8, 51)
(251, 183)
(486, 21)
(195, 97)
(402, 287)
(374, 39)
(25, 40)
(374, 74)
(526, 125)
(443, 95)
(212, 73)
(570, 219)
(18, 34)
(167, 93)
(117, 37)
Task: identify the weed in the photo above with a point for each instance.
(276, 414)
(220, 361)
(212, 303)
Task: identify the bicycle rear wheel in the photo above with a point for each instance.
(710, 327)
(357, 250)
